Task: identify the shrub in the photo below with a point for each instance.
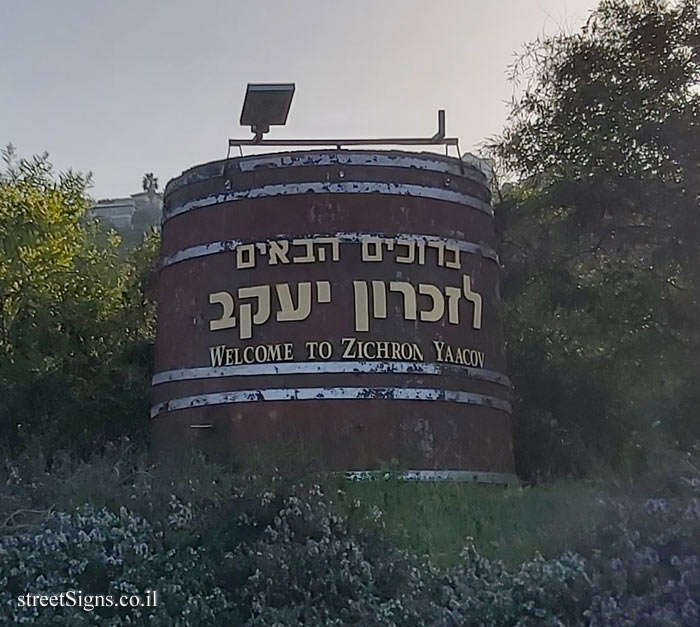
(227, 549)
(99, 551)
(76, 319)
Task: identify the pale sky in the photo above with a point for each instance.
(130, 86)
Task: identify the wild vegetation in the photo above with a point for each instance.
(598, 206)
(76, 318)
(600, 232)
(227, 549)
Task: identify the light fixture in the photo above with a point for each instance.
(265, 105)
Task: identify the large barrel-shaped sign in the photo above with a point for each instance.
(341, 304)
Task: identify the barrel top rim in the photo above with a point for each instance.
(457, 165)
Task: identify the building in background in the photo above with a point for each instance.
(114, 212)
(134, 214)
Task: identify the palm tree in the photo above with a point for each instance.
(150, 183)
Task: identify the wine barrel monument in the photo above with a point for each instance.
(344, 303)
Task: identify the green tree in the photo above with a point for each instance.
(601, 232)
(75, 324)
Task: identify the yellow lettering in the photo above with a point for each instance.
(260, 353)
(438, 349)
(216, 354)
(311, 350)
(448, 354)
(417, 353)
(274, 352)
(249, 354)
(325, 350)
(349, 344)
(245, 256)
(227, 319)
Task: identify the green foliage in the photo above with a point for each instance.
(50, 275)
(228, 549)
(75, 318)
(602, 267)
(514, 524)
(109, 553)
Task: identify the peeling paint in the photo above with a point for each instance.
(353, 197)
(330, 367)
(331, 393)
(390, 159)
(478, 476)
(326, 187)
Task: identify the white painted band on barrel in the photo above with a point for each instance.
(252, 163)
(477, 476)
(331, 393)
(326, 187)
(360, 159)
(345, 237)
(330, 367)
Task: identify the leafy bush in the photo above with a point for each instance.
(647, 569)
(227, 549)
(103, 552)
(76, 319)
(600, 229)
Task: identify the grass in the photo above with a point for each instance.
(436, 520)
(430, 520)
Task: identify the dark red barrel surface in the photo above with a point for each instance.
(345, 303)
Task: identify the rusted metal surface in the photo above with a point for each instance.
(344, 303)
